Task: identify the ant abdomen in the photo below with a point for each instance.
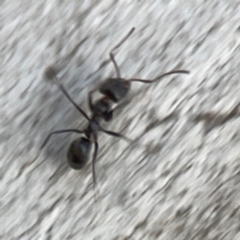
(115, 88)
(78, 153)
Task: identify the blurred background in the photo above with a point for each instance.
(180, 178)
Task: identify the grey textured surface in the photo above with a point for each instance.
(177, 183)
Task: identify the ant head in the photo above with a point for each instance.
(115, 88)
(78, 153)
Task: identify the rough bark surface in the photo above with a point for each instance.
(180, 178)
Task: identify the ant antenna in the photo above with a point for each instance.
(124, 39)
(59, 132)
(159, 77)
(116, 47)
(51, 74)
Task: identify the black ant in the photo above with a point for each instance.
(114, 90)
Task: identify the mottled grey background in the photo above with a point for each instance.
(176, 182)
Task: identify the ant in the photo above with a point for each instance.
(113, 90)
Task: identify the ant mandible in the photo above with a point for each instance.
(114, 90)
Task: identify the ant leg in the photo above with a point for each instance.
(96, 192)
(122, 104)
(59, 132)
(116, 47)
(50, 73)
(115, 134)
(159, 77)
(94, 160)
(90, 102)
(119, 106)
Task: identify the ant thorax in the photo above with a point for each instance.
(102, 106)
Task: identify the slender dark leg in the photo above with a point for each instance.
(59, 132)
(159, 77)
(90, 102)
(96, 151)
(94, 160)
(122, 104)
(116, 47)
(96, 192)
(115, 134)
(50, 73)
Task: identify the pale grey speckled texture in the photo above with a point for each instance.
(176, 183)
